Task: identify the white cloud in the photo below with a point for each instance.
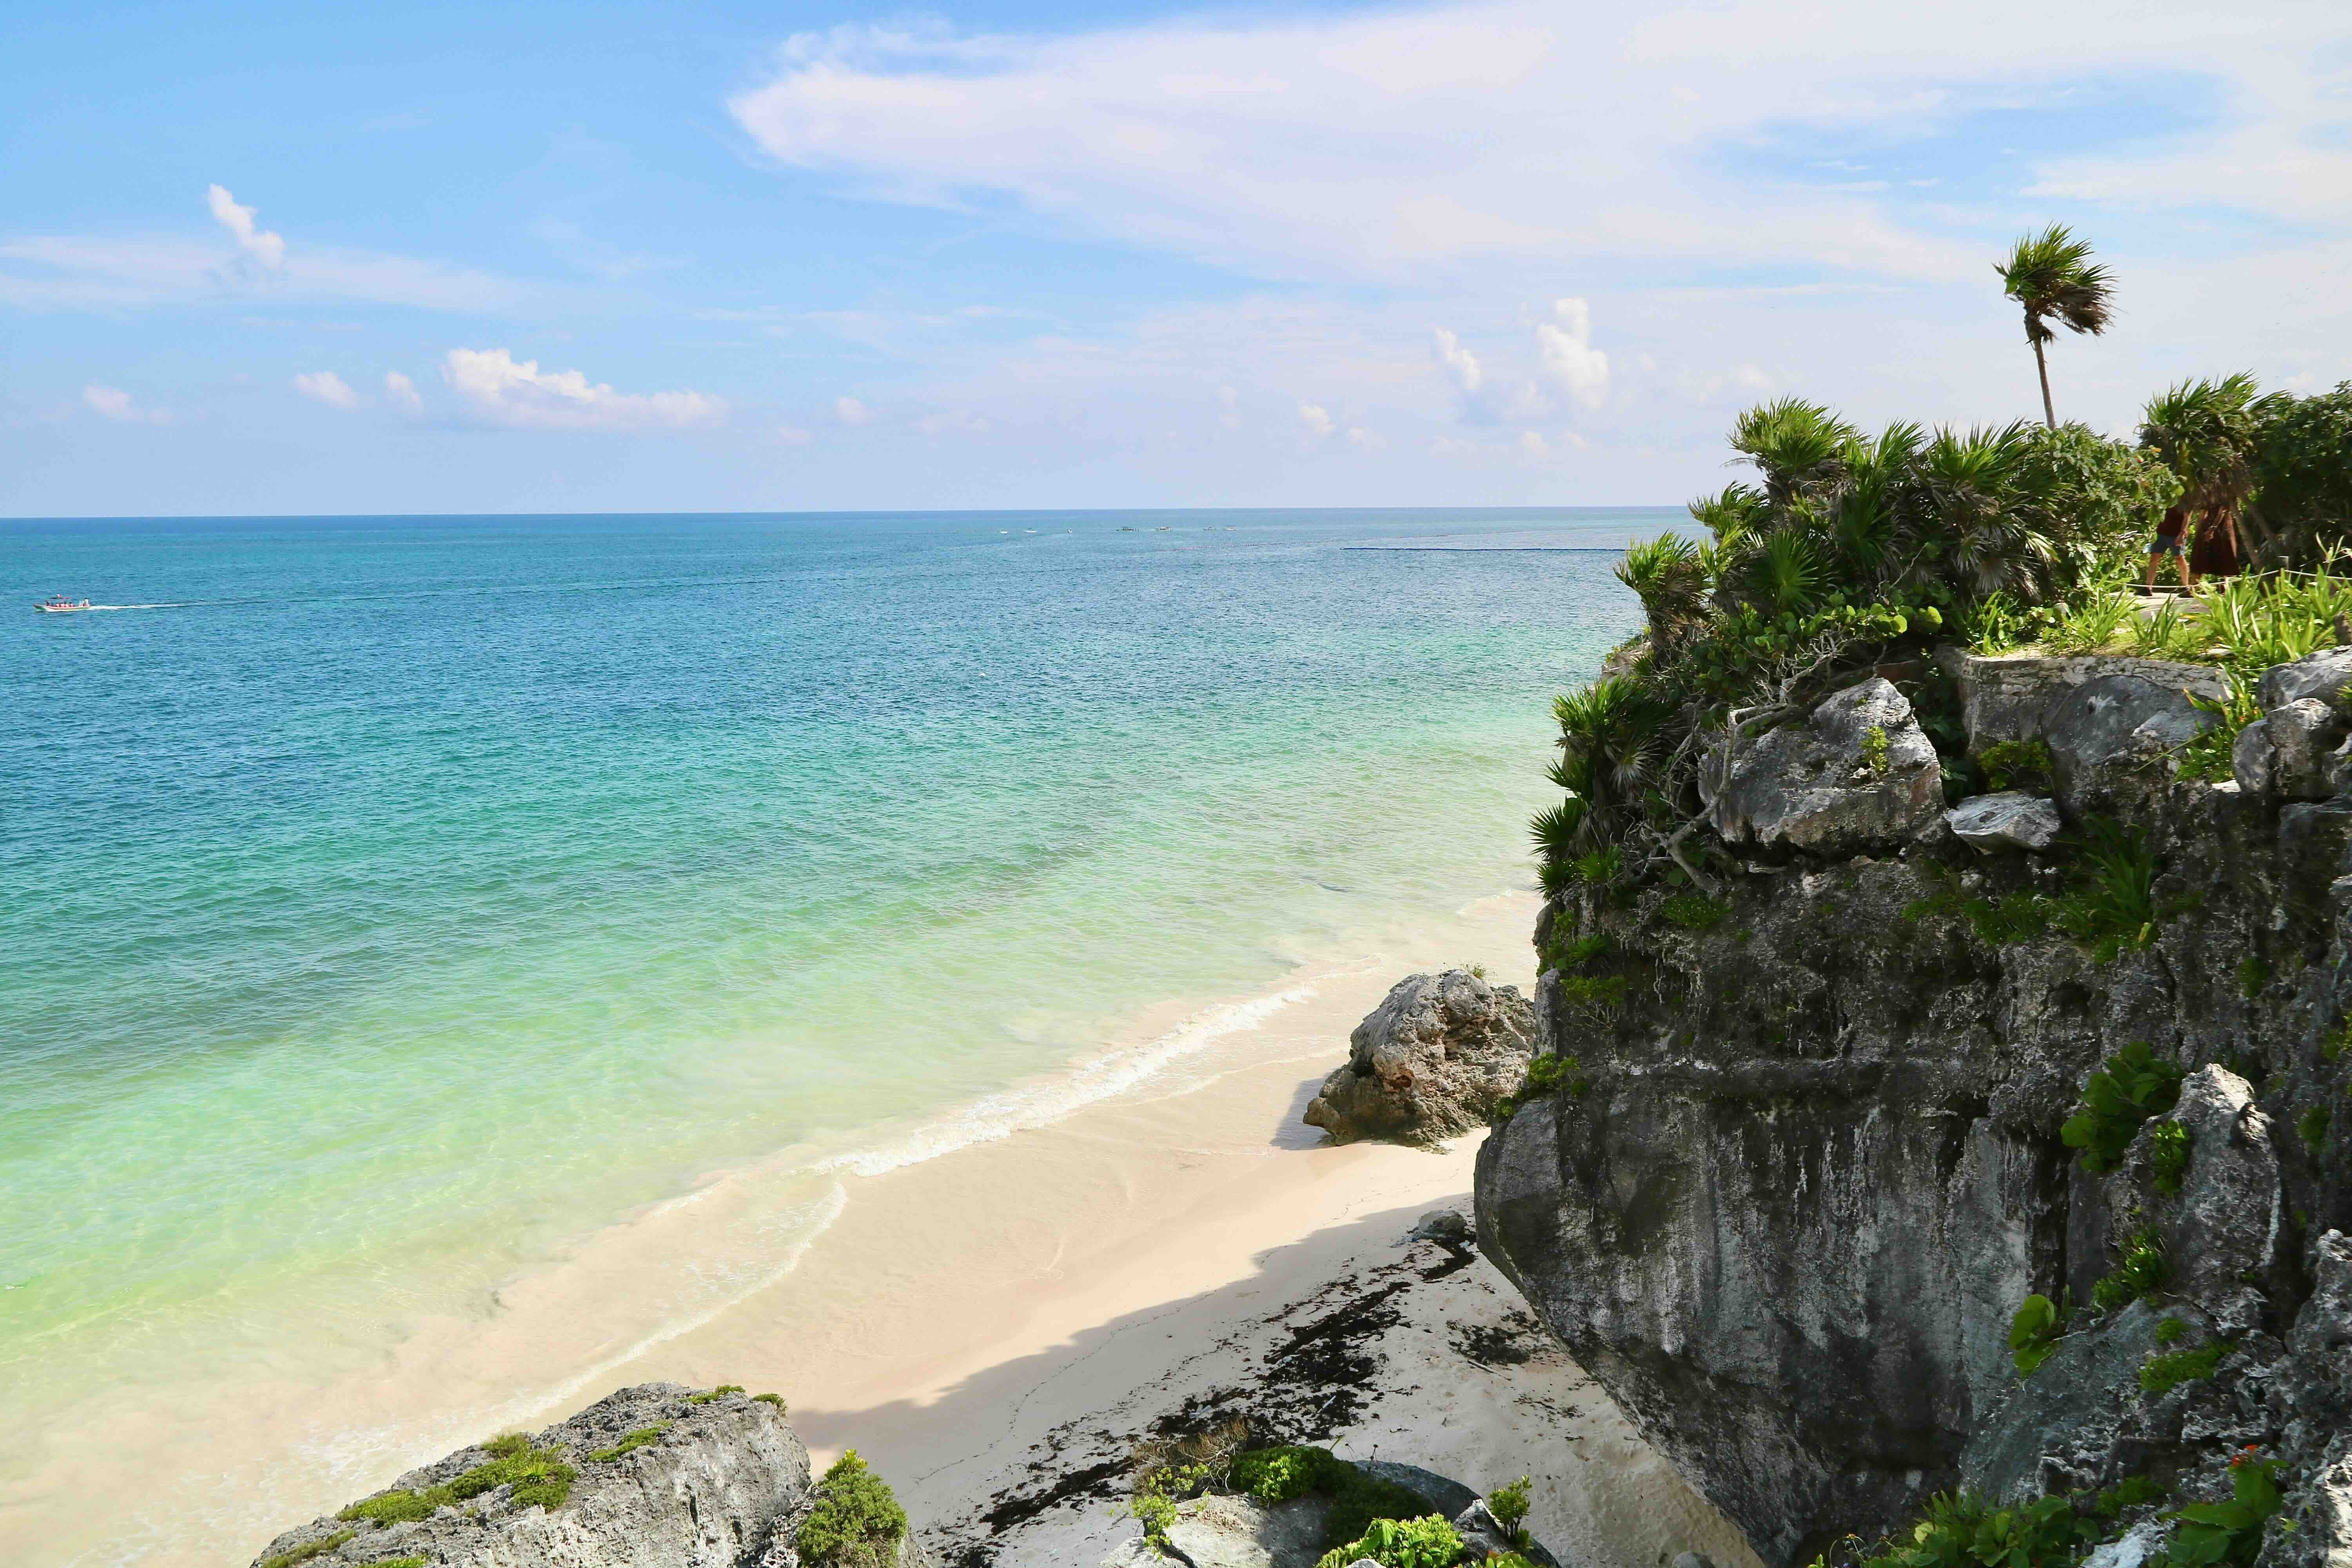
(794, 435)
(1533, 444)
(114, 403)
(959, 420)
(506, 391)
(403, 393)
(263, 246)
(1364, 440)
(1317, 418)
(1569, 356)
(327, 388)
(1460, 362)
(851, 411)
(1533, 132)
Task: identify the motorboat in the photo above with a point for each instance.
(58, 605)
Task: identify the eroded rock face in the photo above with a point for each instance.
(2115, 744)
(1857, 774)
(2009, 696)
(1430, 1061)
(2010, 819)
(1818, 1166)
(2325, 675)
(720, 1487)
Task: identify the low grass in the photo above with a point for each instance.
(2163, 1373)
(1692, 912)
(643, 1437)
(318, 1548)
(2141, 1273)
(721, 1391)
(539, 1476)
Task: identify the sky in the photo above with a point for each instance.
(263, 258)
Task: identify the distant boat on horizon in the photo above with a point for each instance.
(58, 605)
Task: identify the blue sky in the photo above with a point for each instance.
(280, 258)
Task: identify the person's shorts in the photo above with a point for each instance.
(2165, 545)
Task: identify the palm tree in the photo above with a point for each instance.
(2052, 274)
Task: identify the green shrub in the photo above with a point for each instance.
(2208, 1534)
(2210, 754)
(1968, 1530)
(2168, 1154)
(398, 1562)
(2303, 470)
(2112, 904)
(2132, 1491)
(2132, 1085)
(856, 1521)
(1874, 751)
(2163, 1373)
(2141, 1273)
(1601, 993)
(1270, 1475)
(1510, 1505)
(1428, 1541)
(2171, 1330)
(1692, 911)
(644, 1436)
(2017, 764)
(721, 1391)
(539, 1475)
(775, 1399)
(2033, 1333)
(1549, 1074)
(2252, 976)
(318, 1548)
(2312, 1125)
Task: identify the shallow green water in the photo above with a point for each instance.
(402, 898)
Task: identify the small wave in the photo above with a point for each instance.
(1001, 1115)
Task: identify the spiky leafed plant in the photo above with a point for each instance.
(1740, 509)
(1787, 571)
(1611, 752)
(2051, 276)
(1799, 448)
(1672, 578)
(1864, 511)
(1969, 527)
(2206, 433)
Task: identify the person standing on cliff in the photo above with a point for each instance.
(2169, 542)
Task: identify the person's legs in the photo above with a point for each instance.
(2152, 558)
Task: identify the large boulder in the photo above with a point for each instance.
(2221, 1239)
(1234, 1532)
(2010, 819)
(1432, 1060)
(719, 1484)
(2009, 696)
(2325, 675)
(2115, 743)
(1856, 774)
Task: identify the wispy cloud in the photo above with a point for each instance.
(502, 390)
(114, 403)
(1569, 356)
(403, 393)
(327, 387)
(263, 246)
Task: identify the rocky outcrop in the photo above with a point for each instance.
(2009, 696)
(1432, 1060)
(1813, 1160)
(1856, 774)
(2010, 819)
(2301, 749)
(1222, 1530)
(656, 1476)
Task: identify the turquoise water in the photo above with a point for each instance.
(396, 899)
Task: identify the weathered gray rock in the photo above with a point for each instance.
(1430, 1061)
(1483, 1534)
(1234, 1532)
(1444, 1495)
(1818, 1166)
(1857, 774)
(2308, 739)
(2009, 819)
(2325, 675)
(2323, 1330)
(2115, 744)
(2009, 696)
(2253, 760)
(726, 1477)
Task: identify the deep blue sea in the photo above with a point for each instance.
(393, 899)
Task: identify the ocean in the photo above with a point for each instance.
(395, 901)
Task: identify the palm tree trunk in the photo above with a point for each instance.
(2041, 364)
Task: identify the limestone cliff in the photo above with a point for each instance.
(1811, 1159)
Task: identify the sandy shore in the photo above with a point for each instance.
(991, 1326)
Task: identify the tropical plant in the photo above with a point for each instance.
(2111, 906)
(2051, 276)
(1799, 448)
(1428, 1541)
(2127, 1088)
(2033, 1333)
(1969, 1531)
(2302, 474)
(2208, 1534)
(1672, 577)
(2206, 433)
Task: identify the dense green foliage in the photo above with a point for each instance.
(2163, 1373)
(2303, 475)
(2132, 1085)
(1428, 1541)
(1967, 1531)
(1509, 1504)
(2018, 764)
(2208, 1534)
(1271, 1475)
(539, 1475)
(2111, 905)
(856, 1522)
(2033, 1333)
(2168, 1145)
(721, 1391)
(2141, 1273)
